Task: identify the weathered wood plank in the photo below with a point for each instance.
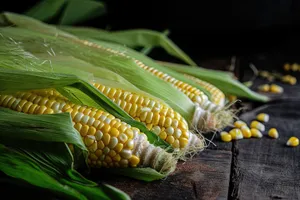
(206, 176)
(266, 168)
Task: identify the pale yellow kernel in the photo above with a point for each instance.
(123, 137)
(183, 142)
(124, 162)
(113, 142)
(257, 125)
(149, 126)
(32, 109)
(276, 89)
(273, 133)
(117, 158)
(122, 128)
(162, 120)
(48, 111)
(101, 145)
(91, 131)
(12, 100)
(126, 153)
(156, 117)
(182, 125)
(170, 139)
(84, 130)
(134, 161)
(93, 147)
(177, 133)
(226, 137)
(168, 122)
(255, 133)
(118, 147)
(156, 130)
(114, 132)
(106, 150)
(129, 144)
(185, 134)
(246, 131)
(40, 109)
(106, 139)
(26, 107)
(112, 153)
(263, 117)
(93, 157)
(129, 133)
(236, 134)
(105, 128)
(176, 144)
(98, 152)
(89, 140)
(170, 130)
(293, 142)
(239, 124)
(108, 159)
(143, 116)
(163, 135)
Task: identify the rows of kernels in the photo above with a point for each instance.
(164, 121)
(217, 96)
(289, 79)
(273, 133)
(257, 125)
(109, 141)
(263, 117)
(193, 93)
(292, 142)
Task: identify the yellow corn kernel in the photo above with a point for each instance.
(257, 125)
(292, 142)
(232, 98)
(273, 133)
(236, 134)
(255, 133)
(134, 161)
(264, 88)
(246, 131)
(295, 67)
(263, 117)
(225, 137)
(276, 89)
(286, 67)
(292, 81)
(239, 124)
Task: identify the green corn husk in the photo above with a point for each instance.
(132, 38)
(69, 45)
(222, 80)
(30, 155)
(69, 11)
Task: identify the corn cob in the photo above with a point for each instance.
(169, 125)
(217, 96)
(193, 93)
(161, 119)
(111, 142)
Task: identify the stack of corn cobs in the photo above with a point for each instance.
(130, 111)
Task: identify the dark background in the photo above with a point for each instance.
(207, 29)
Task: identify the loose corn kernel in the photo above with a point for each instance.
(292, 142)
(257, 125)
(225, 137)
(263, 117)
(286, 67)
(236, 134)
(246, 131)
(295, 67)
(264, 88)
(273, 133)
(255, 133)
(276, 89)
(239, 124)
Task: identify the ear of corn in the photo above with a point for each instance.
(133, 39)
(28, 144)
(223, 80)
(217, 96)
(122, 64)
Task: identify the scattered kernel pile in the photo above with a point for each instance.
(241, 130)
(291, 67)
